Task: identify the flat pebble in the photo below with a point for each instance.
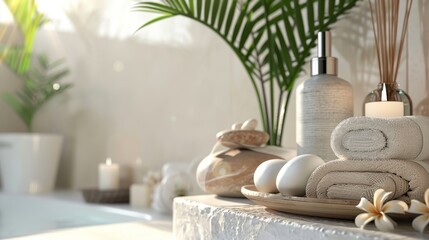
(243, 138)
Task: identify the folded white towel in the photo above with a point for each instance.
(367, 138)
(345, 179)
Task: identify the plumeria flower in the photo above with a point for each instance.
(378, 210)
(420, 222)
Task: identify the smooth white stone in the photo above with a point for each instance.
(249, 124)
(292, 178)
(236, 126)
(266, 173)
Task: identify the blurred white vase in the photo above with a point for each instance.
(29, 162)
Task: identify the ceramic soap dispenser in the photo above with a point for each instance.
(322, 102)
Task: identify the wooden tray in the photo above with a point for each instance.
(329, 208)
(106, 196)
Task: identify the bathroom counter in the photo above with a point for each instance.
(211, 217)
(65, 215)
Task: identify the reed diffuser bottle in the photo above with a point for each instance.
(388, 100)
(323, 101)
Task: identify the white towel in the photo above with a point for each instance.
(367, 138)
(347, 179)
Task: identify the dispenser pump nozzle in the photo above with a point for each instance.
(324, 63)
(324, 44)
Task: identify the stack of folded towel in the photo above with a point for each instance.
(374, 153)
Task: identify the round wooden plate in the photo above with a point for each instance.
(329, 208)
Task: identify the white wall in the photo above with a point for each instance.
(163, 93)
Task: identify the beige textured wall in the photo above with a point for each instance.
(162, 94)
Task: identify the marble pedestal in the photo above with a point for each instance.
(211, 217)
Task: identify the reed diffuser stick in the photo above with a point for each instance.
(385, 16)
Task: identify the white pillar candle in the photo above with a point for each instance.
(108, 175)
(140, 195)
(138, 171)
(384, 109)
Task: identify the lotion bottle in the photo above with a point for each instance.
(322, 102)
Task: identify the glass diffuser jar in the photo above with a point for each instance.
(388, 100)
(388, 93)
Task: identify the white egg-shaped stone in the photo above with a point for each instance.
(249, 124)
(292, 178)
(236, 126)
(266, 173)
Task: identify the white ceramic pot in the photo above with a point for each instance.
(29, 162)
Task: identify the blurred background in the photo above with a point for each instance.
(161, 94)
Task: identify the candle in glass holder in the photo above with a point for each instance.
(108, 175)
(384, 109)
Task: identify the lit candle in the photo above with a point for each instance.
(108, 175)
(384, 109)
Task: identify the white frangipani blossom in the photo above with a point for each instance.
(378, 210)
(420, 222)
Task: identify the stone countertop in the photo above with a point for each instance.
(212, 217)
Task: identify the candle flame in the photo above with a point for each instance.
(108, 161)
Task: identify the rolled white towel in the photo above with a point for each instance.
(367, 138)
(346, 179)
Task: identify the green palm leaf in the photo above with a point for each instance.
(271, 38)
(37, 88)
(39, 80)
(28, 20)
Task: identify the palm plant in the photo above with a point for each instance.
(40, 80)
(272, 39)
(41, 83)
